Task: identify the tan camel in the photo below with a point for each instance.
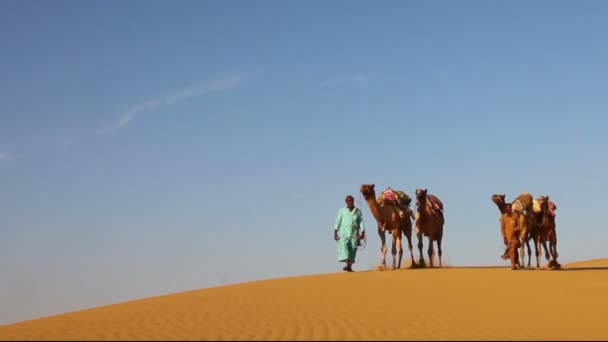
(537, 215)
(429, 222)
(389, 218)
(547, 231)
(523, 205)
(522, 208)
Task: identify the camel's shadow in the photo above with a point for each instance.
(599, 268)
(407, 267)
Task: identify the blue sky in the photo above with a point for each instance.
(155, 147)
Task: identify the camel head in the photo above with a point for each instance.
(420, 196)
(368, 191)
(499, 199)
(420, 193)
(546, 204)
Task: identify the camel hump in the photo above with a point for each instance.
(435, 202)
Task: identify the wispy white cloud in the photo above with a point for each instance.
(357, 79)
(129, 115)
(5, 157)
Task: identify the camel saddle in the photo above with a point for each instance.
(522, 203)
(398, 199)
(536, 208)
(435, 203)
(395, 197)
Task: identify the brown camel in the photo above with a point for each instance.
(541, 240)
(429, 222)
(509, 223)
(390, 218)
(522, 208)
(523, 205)
(547, 231)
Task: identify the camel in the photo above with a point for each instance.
(537, 215)
(522, 206)
(429, 222)
(546, 228)
(389, 218)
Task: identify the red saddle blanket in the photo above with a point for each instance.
(395, 197)
(552, 208)
(435, 203)
(389, 197)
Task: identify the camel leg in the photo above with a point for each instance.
(421, 261)
(408, 236)
(383, 248)
(439, 253)
(525, 235)
(394, 253)
(431, 252)
(537, 249)
(553, 248)
(525, 243)
(399, 243)
(522, 252)
(522, 244)
(547, 251)
(527, 239)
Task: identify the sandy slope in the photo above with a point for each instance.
(455, 303)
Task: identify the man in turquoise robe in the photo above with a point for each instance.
(348, 230)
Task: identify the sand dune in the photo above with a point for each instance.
(593, 263)
(455, 303)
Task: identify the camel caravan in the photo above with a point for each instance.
(521, 221)
(527, 219)
(392, 212)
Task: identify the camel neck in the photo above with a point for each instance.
(421, 206)
(501, 207)
(545, 212)
(373, 207)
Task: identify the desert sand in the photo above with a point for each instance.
(452, 303)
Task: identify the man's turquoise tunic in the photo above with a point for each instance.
(349, 225)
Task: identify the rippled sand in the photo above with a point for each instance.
(455, 303)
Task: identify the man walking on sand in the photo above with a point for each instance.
(348, 230)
